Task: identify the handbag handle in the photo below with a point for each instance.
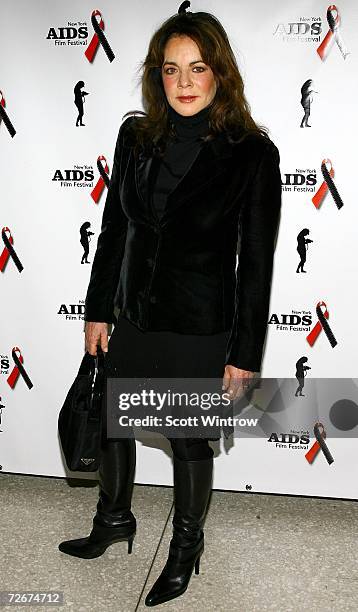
(97, 366)
(97, 376)
(91, 363)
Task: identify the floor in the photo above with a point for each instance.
(262, 552)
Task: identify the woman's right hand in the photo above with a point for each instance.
(96, 334)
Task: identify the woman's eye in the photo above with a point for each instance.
(201, 69)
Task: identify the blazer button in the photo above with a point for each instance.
(153, 299)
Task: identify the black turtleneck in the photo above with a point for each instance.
(180, 153)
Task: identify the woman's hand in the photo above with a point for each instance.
(96, 334)
(235, 381)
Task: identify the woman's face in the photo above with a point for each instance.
(184, 74)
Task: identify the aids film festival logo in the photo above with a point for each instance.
(321, 183)
(80, 33)
(301, 180)
(295, 440)
(74, 33)
(296, 321)
(72, 312)
(79, 176)
(303, 29)
(84, 176)
(302, 320)
(323, 30)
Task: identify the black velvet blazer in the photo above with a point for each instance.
(178, 273)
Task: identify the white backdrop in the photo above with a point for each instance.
(42, 306)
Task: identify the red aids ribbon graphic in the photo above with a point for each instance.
(18, 369)
(9, 250)
(334, 22)
(5, 118)
(98, 37)
(103, 179)
(322, 316)
(321, 192)
(327, 185)
(319, 444)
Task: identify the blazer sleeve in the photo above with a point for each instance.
(258, 228)
(110, 247)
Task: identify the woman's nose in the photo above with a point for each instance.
(184, 80)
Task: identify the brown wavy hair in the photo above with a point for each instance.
(230, 110)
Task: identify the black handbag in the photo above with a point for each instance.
(79, 420)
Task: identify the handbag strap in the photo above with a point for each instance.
(97, 376)
(91, 363)
(99, 360)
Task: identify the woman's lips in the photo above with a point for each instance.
(187, 98)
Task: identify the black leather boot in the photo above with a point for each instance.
(114, 521)
(192, 486)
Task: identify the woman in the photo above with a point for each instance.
(302, 243)
(301, 372)
(85, 239)
(186, 178)
(79, 101)
(306, 100)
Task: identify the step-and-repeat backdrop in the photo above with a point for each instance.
(63, 93)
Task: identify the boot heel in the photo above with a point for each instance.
(130, 543)
(197, 565)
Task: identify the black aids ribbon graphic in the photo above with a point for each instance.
(321, 324)
(9, 251)
(333, 34)
(4, 116)
(319, 444)
(18, 369)
(327, 185)
(103, 179)
(98, 37)
(331, 186)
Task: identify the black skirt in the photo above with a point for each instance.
(133, 353)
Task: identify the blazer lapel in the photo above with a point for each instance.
(207, 165)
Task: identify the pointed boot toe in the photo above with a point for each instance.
(87, 549)
(166, 588)
(81, 547)
(99, 539)
(175, 576)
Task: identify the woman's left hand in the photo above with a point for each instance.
(236, 381)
